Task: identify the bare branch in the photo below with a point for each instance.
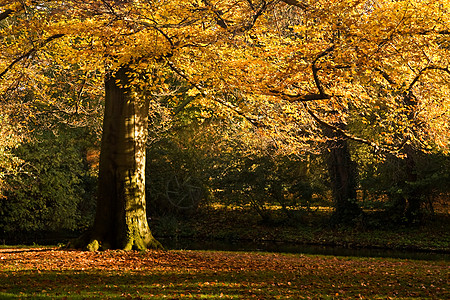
(315, 69)
(416, 79)
(386, 76)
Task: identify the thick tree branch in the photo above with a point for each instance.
(218, 15)
(297, 3)
(252, 120)
(315, 69)
(342, 132)
(6, 14)
(255, 17)
(14, 8)
(432, 31)
(386, 76)
(345, 134)
(29, 53)
(409, 99)
(300, 98)
(416, 79)
(391, 81)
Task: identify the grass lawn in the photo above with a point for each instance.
(52, 273)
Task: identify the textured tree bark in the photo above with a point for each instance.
(343, 175)
(121, 220)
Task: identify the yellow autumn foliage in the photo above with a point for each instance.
(279, 60)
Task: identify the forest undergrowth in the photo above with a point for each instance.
(313, 227)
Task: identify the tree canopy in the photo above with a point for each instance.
(305, 57)
(297, 73)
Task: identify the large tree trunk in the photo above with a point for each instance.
(121, 219)
(343, 176)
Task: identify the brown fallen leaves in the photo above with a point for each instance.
(56, 259)
(187, 274)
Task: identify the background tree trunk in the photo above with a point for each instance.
(343, 177)
(414, 194)
(408, 206)
(121, 219)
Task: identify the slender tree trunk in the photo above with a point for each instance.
(343, 176)
(121, 219)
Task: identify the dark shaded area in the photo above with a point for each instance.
(280, 247)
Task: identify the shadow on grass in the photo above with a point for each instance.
(79, 284)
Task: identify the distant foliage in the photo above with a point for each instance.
(175, 183)
(383, 181)
(54, 191)
(177, 172)
(200, 161)
(10, 138)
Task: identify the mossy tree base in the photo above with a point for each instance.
(133, 242)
